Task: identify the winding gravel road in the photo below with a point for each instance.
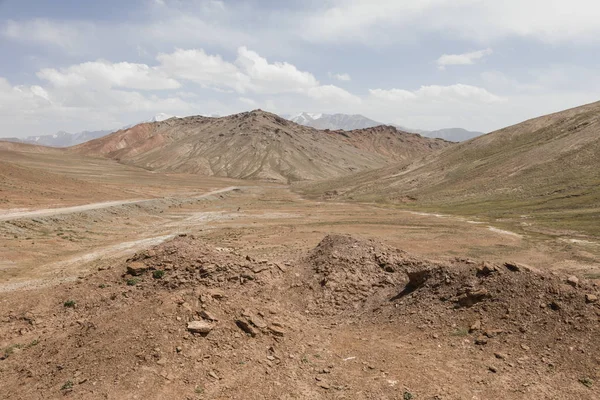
(47, 212)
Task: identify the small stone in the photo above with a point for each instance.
(525, 347)
(202, 327)
(555, 306)
(178, 349)
(512, 266)
(492, 333)
(136, 268)
(323, 385)
(162, 361)
(246, 327)
(216, 294)
(213, 375)
(485, 270)
(207, 315)
(257, 321)
(591, 298)
(481, 340)
(573, 281)
(493, 369)
(276, 330)
(475, 326)
(500, 356)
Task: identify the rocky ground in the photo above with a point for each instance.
(351, 318)
(218, 289)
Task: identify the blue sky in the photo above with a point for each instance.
(428, 64)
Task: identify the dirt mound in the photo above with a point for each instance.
(188, 262)
(508, 309)
(350, 319)
(351, 273)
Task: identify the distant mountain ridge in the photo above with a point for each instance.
(60, 139)
(66, 139)
(335, 121)
(348, 122)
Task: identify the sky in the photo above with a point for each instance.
(482, 65)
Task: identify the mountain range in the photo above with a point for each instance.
(319, 121)
(257, 145)
(66, 139)
(357, 121)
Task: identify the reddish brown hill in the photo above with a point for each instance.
(257, 145)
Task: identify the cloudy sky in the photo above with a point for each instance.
(478, 64)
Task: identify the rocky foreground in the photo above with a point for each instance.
(351, 319)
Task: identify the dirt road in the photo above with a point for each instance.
(46, 212)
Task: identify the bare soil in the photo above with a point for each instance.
(296, 298)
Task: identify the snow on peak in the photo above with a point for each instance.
(304, 118)
(162, 117)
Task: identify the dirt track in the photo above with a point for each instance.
(121, 339)
(7, 215)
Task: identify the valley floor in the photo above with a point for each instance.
(126, 338)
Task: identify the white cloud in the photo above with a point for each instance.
(462, 59)
(250, 73)
(248, 101)
(477, 20)
(207, 70)
(333, 94)
(42, 31)
(456, 92)
(277, 77)
(392, 94)
(105, 74)
(341, 77)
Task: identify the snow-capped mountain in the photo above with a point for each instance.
(61, 139)
(305, 118)
(66, 139)
(161, 117)
(334, 121)
(349, 122)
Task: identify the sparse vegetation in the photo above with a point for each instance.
(70, 303)
(158, 274)
(10, 349)
(67, 385)
(408, 396)
(132, 282)
(587, 382)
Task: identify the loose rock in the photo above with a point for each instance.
(202, 327)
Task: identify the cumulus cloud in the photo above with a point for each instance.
(105, 74)
(462, 59)
(457, 92)
(205, 69)
(248, 73)
(274, 77)
(333, 94)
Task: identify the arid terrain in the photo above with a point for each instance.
(127, 275)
